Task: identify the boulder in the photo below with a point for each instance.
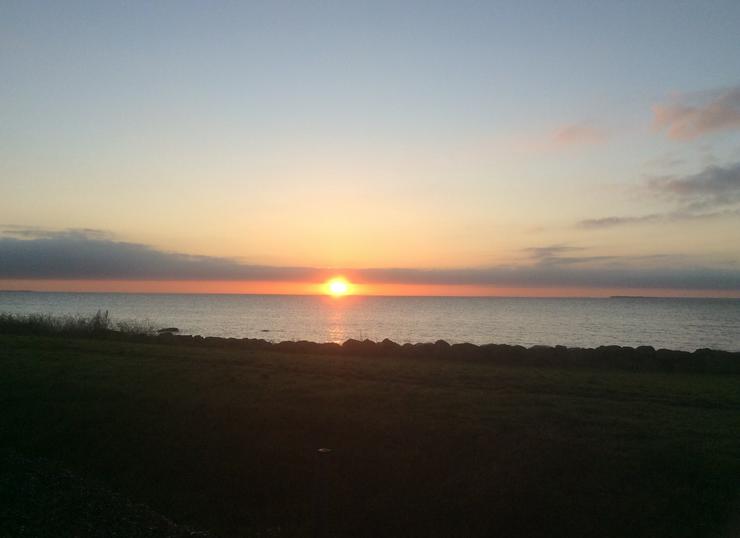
(465, 351)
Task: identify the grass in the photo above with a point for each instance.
(97, 325)
(40, 499)
(226, 440)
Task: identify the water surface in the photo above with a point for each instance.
(685, 324)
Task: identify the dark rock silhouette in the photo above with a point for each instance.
(641, 358)
(389, 347)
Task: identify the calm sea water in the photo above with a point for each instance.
(672, 323)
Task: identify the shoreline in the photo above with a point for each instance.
(621, 357)
(641, 358)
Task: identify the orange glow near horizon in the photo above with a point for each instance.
(356, 288)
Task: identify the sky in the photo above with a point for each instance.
(454, 148)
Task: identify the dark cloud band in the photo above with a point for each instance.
(81, 255)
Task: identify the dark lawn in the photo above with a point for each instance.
(226, 440)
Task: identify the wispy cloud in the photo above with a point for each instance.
(549, 251)
(80, 255)
(557, 138)
(576, 134)
(711, 193)
(559, 255)
(712, 187)
(32, 232)
(685, 121)
(675, 216)
(608, 222)
(668, 160)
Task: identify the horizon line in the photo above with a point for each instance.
(359, 295)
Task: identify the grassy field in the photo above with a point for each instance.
(226, 440)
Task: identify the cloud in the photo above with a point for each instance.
(668, 160)
(578, 134)
(29, 232)
(555, 255)
(683, 121)
(675, 216)
(549, 251)
(608, 222)
(608, 272)
(561, 138)
(91, 254)
(83, 255)
(712, 187)
(710, 193)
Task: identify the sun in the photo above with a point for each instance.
(337, 287)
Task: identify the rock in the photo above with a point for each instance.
(300, 346)
(465, 351)
(351, 345)
(424, 349)
(364, 348)
(330, 348)
(389, 347)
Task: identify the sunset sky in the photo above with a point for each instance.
(484, 148)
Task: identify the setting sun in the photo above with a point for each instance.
(337, 287)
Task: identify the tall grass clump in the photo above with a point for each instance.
(98, 325)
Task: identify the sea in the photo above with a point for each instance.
(673, 323)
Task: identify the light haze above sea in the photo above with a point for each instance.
(673, 323)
